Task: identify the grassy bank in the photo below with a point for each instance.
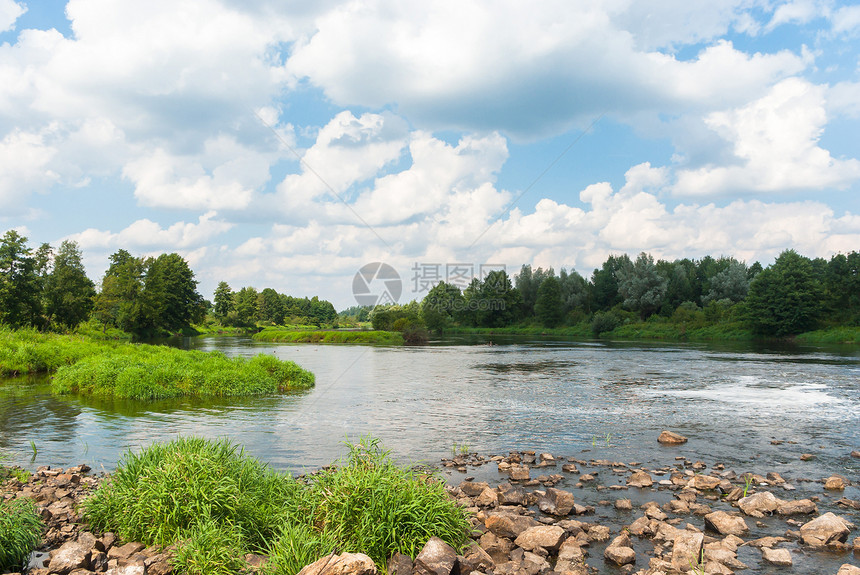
(276, 335)
(29, 351)
(156, 372)
(217, 504)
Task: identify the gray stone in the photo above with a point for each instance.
(436, 558)
(825, 530)
(776, 556)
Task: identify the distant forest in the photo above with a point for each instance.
(49, 290)
(793, 295)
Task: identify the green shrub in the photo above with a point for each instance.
(276, 335)
(20, 533)
(603, 322)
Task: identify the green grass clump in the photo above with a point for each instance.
(156, 372)
(329, 336)
(29, 351)
(371, 505)
(842, 334)
(20, 533)
(216, 504)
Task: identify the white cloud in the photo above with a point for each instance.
(796, 12)
(846, 19)
(24, 167)
(10, 11)
(775, 145)
(148, 237)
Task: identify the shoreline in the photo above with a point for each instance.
(589, 516)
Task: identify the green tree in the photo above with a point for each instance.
(441, 306)
(528, 283)
(604, 282)
(548, 307)
(270, 306)
(20, 294)
(785, 298)
(223, 300)
(498, 302)
(170, 292)
(246, 306)
(842, 288)
(68, 292)
(732, 284)
(641, 285)
(574, 291)
(120, 300)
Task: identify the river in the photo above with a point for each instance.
(752, 408)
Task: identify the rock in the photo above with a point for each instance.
(704, 482)
(848, 569)
(671, 438)
(125, 551)
(487, 498)
(806, 456)
(546, 536)
(759, 504)
(70, 556)
(571, 551)
(436, 558)
(598, 533)
(345, 564)
(498, 548)
(798, 507)
(687, 550)
(619, 551)
(508, 525)
(835, 483)
(400, 564)
(640, 479)
(510, 495)
(856, 453)
(623, 505)
(556, 502)
(726, 524)
(776, 556)
(520, 473)
(724, 557)
(126, 570)
(473, 488)
(824, 530)
(642, 527)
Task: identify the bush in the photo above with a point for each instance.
(20, 533)
(603, 322)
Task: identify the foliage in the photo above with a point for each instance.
(223, 300)
(19, 283)
(548, 307)
(20, 533)
(641, 285)
(29, 351)
(217, 504)
(68, 292)
(785, 299)
(603, 322)
(305, 336)
(528, 282)
(155, 372)
(731, 283)
(441, 306)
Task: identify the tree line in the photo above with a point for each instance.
(146, 296)
(793, 295)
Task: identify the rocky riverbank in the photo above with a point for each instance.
(537, 514)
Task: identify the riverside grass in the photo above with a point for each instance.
(376, 337)
(25, 351)
(215, 503)
(20, 533)
(157, 372)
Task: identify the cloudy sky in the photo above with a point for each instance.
(289, 143)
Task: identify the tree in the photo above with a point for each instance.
(604, 282)
(642, 286)
(246, 306)
(785, 298)
(528, 283)
(441, 305)
(68, 292)
(498, 303)
(548, 307)
(170, 292)
(270, 306)
(574, 291)
(731, 283)
(20, 303)
(223, 300)
(120, 301)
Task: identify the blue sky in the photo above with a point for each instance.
(285, 145)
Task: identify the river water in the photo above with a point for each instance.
(606, 400)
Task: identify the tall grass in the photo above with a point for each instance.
(156, 372)
(20, 533)
(330, 336)
(841, 334)
(216, 504)
(29, 351)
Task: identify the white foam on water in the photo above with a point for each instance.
(753, 391)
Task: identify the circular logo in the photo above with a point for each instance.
(376, 284)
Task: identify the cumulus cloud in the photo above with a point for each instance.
(775, 142)
(147, 236)
(10, 11)
(24, 161)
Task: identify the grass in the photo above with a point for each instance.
(29, 351)
(216, 504)
(329, 336)
(20, 533)
(156, 372)
(843, 334)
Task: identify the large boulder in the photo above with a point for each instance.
(70, 556)
(545, 536)
(835, 483)
(556, 502)
(671, 438)
(797, 507)
(825, 530)
(473, 488)
(508, 525)
(759, 504)
(436, 558)
(776, 556)
(848, 569)
(510, 495)
(726, 524)
(704, 482)
(619, 551)
(640, 479)
(345, 564)
(687, 550)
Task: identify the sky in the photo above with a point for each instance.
(287, 144)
